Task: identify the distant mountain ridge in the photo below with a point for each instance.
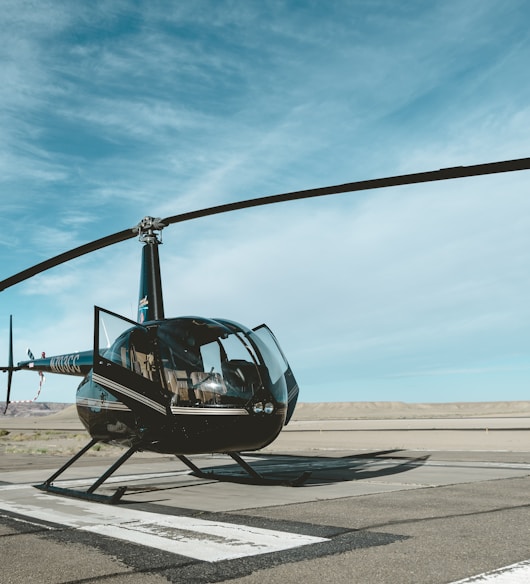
(30, 409)
(333, 410)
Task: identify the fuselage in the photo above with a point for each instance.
(181, 386)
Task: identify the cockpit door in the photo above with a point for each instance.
(267, 337)
(126, 364)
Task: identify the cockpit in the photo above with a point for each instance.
(205, 363)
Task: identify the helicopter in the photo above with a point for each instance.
(186, 385)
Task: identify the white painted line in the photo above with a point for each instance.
(515, 574)
(209, 541)
(28, 522)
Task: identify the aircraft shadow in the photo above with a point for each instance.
(323, 469)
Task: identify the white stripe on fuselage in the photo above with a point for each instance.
(183, 410)
(118, 387)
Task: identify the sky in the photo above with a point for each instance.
(111, 111)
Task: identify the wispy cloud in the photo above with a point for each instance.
(110, 112)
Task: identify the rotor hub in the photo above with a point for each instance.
(149, 229)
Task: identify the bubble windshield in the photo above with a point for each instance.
(205, 363)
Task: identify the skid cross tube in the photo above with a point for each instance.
(253, 473)
(68, 464)
(89, 494)
(253, 478)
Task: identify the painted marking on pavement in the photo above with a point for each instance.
(209, 541)
(514, 574)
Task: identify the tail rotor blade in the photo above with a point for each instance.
(10, 363)
(9, 379)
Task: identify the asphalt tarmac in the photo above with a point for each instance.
(428, 501)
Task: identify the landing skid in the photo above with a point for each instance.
(253, 478)
(89, 494)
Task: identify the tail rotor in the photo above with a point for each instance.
(10, 367)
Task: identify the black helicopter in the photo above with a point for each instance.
(187, 385)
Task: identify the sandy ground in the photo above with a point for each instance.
(67, 419)
(402, 410)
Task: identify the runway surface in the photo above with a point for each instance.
(383, 514)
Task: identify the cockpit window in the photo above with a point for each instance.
(204, 363)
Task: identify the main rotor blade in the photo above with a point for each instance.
(66, 256)
(363, 185)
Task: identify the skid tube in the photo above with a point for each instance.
(89, 494)
(253, 478)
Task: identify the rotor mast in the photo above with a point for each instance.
(150, 300)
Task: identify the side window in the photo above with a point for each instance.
(133, 347)
(141, 355)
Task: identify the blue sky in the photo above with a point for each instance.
(111, 111)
